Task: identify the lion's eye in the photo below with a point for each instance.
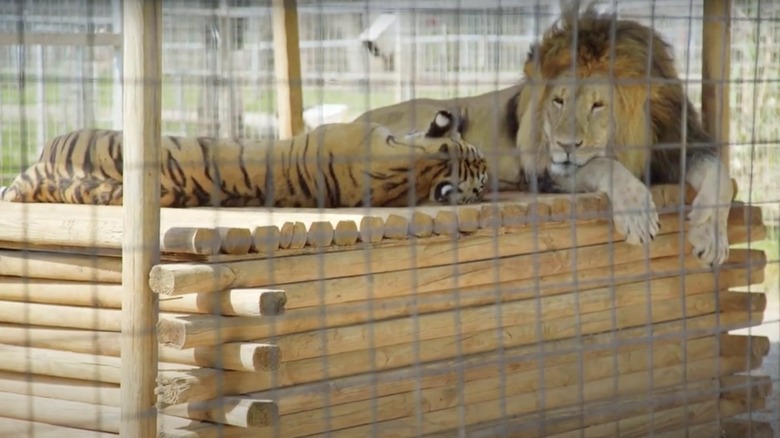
(598, 105)
(558, 101)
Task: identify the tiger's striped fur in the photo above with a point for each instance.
(334, 165)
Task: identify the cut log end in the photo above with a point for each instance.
(171, 332)
(346, 233)
(396, 227)
(265, 240)
(272, 302)
(468, 220)
(263, 357)
(161, 281)
(262, 413)
(320, 234)
(299, 236)
(421, 225)
(235, 241)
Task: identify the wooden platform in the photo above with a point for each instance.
(524, 316)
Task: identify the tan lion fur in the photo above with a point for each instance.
(631, 124)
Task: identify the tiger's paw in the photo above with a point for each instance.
(708, 226)
(634, 212)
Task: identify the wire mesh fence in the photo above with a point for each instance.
(524, 314)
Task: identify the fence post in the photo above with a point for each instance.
(142, 56)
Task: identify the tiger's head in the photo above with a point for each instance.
(458, 169)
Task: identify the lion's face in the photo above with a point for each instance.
(576, 124)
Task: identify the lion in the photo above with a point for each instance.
(610, 117)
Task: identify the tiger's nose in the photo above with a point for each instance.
(568, 147)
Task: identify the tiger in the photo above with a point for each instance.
(336, 165)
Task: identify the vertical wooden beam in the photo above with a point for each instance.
(287, 62)
(716, 68)
(142, 61)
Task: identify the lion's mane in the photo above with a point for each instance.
(640, 67)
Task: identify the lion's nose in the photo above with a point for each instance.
(568, 147)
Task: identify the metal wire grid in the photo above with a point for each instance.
(219, 80)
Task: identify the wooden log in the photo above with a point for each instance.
(421, 225)
(360, 387)
(287, 63)
(286, 235)
(60, 266)
(60, 316)
(239, 356)
(185, 240)
(200, 384)
(579, 417)
(525, 378)
(298, 240)
(201, 330)
(518, 278)
(61, 412)
(490, 217)
(10, 427)
(235, 411)
(179, 278)
(735, 428)
(468, 220)
(97, 318)
(758, 345)
(746, 387)
(346, 233)
(716, 71)
(235, 302)
(235, 241)
(177, 427)
(32, 217)
(630, 383)
(676, 419)
(445, 223)
(70, 365)
(320, 234)
(396, 227)
(91, 226)
(59, 388)
(265, 239)
(371, 229)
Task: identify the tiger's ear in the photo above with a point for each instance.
(441, 125)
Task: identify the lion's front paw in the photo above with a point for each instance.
(634, 212)
(708, 230)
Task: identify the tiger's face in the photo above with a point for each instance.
(460, 169)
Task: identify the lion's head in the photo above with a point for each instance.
(614, 95)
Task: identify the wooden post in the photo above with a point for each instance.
(142, 56)
(716, 66)
(287, 61)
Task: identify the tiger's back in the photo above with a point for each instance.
(335, 165)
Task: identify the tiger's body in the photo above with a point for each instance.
(334, 165)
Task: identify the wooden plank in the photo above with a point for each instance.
(716, 66)
(142, 61)
(287, 63)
